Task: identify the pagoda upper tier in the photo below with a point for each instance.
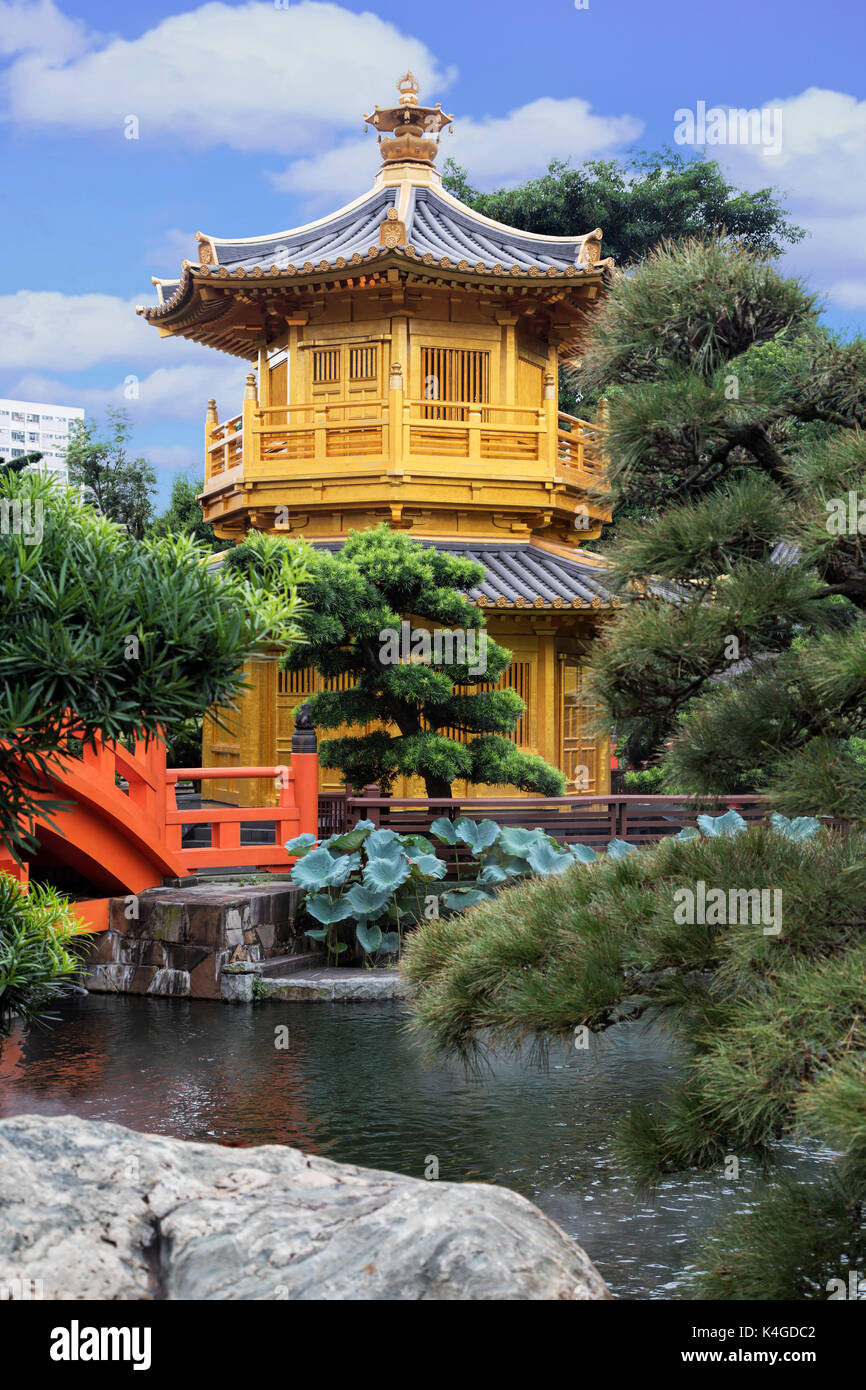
(407, 350)
(412, 223)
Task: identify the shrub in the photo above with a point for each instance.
(38, 934)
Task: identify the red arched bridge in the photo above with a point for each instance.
(120, 828)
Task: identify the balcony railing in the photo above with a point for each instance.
(403, 431)
(224, 444)
(579, 445)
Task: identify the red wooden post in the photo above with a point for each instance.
(305, 765)
(289, 825)
(173, 833)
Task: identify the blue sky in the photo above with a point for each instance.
(249, 121)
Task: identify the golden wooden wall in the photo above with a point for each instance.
(555, 724)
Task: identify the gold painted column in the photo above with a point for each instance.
(546, 718)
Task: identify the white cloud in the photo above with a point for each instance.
(496, 150)
(168, 393)
(26, 27)
(252, 76)
(164, 257)
(174, 458)
(820, 172)
(50, 331)
(182, 392)
(849, 294)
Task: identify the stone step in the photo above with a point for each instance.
(286, 965)
(344, 985)
(178, 940)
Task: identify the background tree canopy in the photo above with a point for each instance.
(636, 202)
(122, 488)
(183, 515)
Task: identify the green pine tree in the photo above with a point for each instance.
(358, 599)
(736, 432)
(737, 438)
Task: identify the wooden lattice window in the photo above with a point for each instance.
(326, 366)
(517, 676)
(296, 682)
(362, 363)
(458, 375)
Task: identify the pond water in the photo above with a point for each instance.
(351, 1086)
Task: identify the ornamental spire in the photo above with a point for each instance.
(409, 131)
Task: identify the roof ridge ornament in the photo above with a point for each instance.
(409, 132)
(408, 89)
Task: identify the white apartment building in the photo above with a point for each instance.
(28, 427)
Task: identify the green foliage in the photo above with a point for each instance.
(183, 743)
(378, 877)
(183, 516)
(102, 633)
(693, 306)
(358, 597)
(737, 659)
(121, 488)
(647, 779)
(38, 934)
(772, 1024)
(637, 203)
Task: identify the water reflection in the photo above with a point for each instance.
(351, 1085)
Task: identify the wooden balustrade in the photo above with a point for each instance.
(225, 850)
(224, 445)
(579, 445)
(396, 429)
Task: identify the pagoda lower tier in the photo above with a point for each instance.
(545, 603)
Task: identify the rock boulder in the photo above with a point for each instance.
(97, 1211)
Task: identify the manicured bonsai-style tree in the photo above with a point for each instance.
(419, 683)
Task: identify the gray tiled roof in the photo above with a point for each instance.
(524, 571)
(341, 235)
(528, 572)
(435, 226)
(438, 227)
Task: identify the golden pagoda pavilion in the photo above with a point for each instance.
(407, 352)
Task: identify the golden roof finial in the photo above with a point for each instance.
(408, 89)
(408, 131)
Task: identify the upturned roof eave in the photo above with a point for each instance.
(185, 295)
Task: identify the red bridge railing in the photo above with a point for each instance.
(132, 835)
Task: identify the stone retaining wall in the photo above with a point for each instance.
(175, 941)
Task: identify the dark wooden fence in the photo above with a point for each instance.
(332, 814)
(589, 820)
